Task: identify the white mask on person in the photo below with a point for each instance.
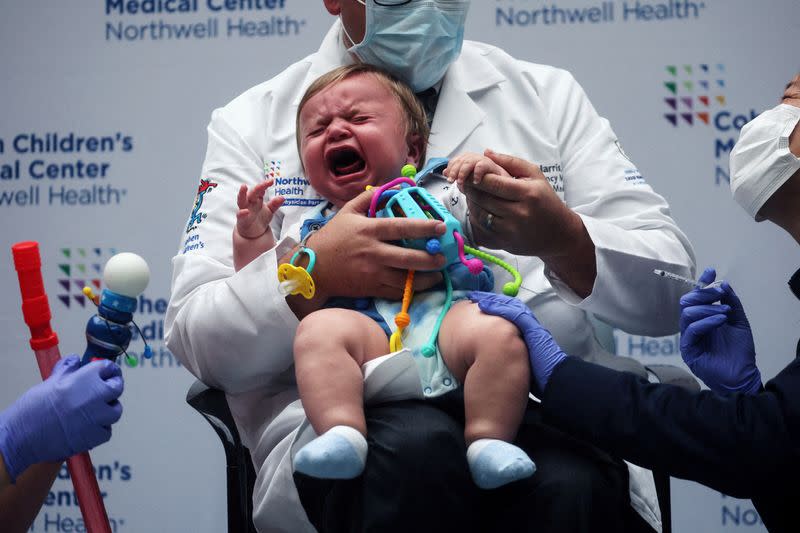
(761, 160)
(416, 41)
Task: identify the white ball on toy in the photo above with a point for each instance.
(126, 274)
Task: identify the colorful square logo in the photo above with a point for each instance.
(693, 92)
(79, 268)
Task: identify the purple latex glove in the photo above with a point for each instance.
(716, 341)
(68, 413)
(543, 351)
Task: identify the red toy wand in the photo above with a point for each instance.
(44, 341)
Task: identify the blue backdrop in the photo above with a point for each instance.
(102, 135)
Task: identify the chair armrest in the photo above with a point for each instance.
(213, 405)
(673, 375)
(620, 363)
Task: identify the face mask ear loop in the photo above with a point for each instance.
(366, 27)
(347, 34)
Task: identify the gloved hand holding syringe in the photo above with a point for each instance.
(716, 340)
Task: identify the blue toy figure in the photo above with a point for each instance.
(411, 201)
(108, 333)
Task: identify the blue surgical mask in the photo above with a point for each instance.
(416, 41)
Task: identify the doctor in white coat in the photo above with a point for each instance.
(594, 235)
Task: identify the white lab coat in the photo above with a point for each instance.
(234, 331)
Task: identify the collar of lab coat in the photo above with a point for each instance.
(457, 113)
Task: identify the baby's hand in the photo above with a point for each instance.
(471, 166)
(254, 215)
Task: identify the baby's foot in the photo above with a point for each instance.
(339, 453)
(494, 463)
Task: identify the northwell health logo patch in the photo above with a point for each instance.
(693, 93)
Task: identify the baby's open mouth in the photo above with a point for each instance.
(345, 161)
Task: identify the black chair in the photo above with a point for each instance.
(212, 404)
(241, 476)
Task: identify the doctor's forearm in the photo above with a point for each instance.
(21, 502)
(577, 265)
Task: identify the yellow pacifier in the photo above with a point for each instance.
(296, 279)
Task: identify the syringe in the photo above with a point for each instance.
(694, 283)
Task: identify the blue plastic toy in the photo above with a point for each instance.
(109, 332)
(411, 201)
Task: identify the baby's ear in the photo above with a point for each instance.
(416, 147)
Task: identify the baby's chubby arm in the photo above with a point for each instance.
(252, 235)
(471, 166)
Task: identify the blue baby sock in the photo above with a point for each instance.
(494, 463)
(339, 453)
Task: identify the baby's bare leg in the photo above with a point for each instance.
(330, 347)
(487, 355)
